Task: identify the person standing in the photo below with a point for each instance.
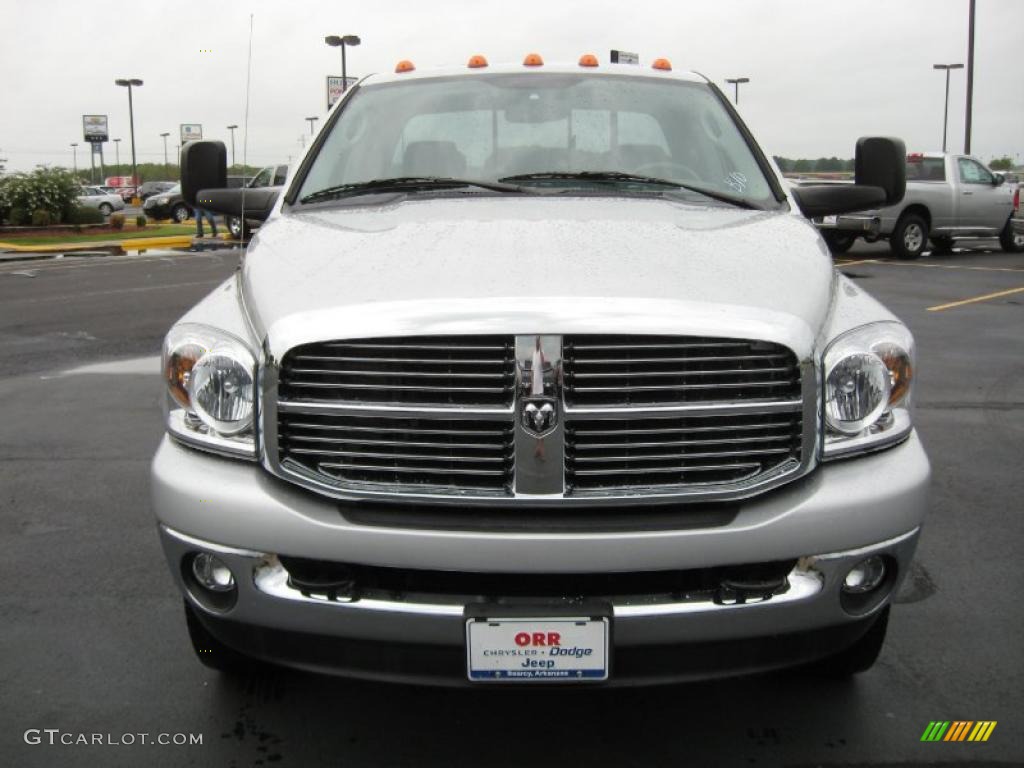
(202, 213)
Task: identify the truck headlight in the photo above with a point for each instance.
(211, 386)
(868, 375)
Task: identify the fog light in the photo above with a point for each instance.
(865, 575)
(212, 573)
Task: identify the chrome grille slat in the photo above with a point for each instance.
(676, 456)
(413, 469)
(384, 443)
(680, 387)
(681, 373)
(396, 360)
(673, 470)
(651, 360)
(391, 387)
(673, 443)
(449, 457)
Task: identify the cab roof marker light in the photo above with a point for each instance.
(588, 60)
(664, 64)
(404, 66)
(533, 60)
(477, 61)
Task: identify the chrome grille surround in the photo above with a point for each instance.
(560, 481)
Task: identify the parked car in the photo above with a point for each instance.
(271, 176)
(1018, 214)
(104, 202)
(168, 204)
(149, 188)
(948, 196)
(540, 373)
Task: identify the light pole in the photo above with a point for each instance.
(945, 112)
(232, 129)
(74, 150)
(970, 78)
(165, 135)
(340, 42)
(117, 154)
(735, 83)
(128, 83)
(312, 121)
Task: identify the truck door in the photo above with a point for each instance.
(981, 204)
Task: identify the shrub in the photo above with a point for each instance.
(41, 218)
(140, 221)
(17, 216)
(50, 189)
(83, 215)
(117, 220)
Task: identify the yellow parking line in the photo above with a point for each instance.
(947, 266)
(860, 261)
(986, 297)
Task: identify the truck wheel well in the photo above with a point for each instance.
(918, 210)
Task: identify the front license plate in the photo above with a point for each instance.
(829, 221)
(509, 649)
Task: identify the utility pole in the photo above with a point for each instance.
(74, 150)
(117, 155)
(970, 79)
(312, 122)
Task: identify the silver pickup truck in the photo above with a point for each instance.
(537, 372)
(948, 196)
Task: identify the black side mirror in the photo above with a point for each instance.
(204, 165)
(880, 179)
(998, 180)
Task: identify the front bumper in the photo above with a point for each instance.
(827, 522)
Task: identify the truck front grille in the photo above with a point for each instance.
(451, 416)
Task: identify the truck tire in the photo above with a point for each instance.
(210, 651)
(860, 656)
(910, 237)
(238, 228)
(839, 242)
(1011, 242)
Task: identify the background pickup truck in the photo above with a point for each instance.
(947, 196)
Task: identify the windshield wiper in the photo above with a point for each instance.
(404, 184)
(628, 178)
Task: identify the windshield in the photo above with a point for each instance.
(492, 127)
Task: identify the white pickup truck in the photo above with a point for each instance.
(948, 196)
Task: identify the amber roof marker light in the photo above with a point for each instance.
(588, 60)
(404, 66)
(663, 64)
(477, 61)
(533, 60)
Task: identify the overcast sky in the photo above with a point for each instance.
(823, 72)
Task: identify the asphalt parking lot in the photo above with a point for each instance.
(93, 637)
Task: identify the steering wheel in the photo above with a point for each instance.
(679, 171)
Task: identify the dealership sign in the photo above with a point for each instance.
(94, 128)
(335, 90)
(191, 132)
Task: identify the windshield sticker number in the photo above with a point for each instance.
(737, 181)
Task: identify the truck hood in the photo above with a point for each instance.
(528, 265)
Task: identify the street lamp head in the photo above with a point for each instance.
(115, 140)
(734, 80)
(947, 66)
(74, 143)
(313, 118)
(232, 127)
(165, 135)
(125, 83)
(349, 40)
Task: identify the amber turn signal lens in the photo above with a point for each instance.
(404, 66)
(588, 60)
(178, 372)
(901, 373)
(533, 60)
(662, 64)
(475, 62)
